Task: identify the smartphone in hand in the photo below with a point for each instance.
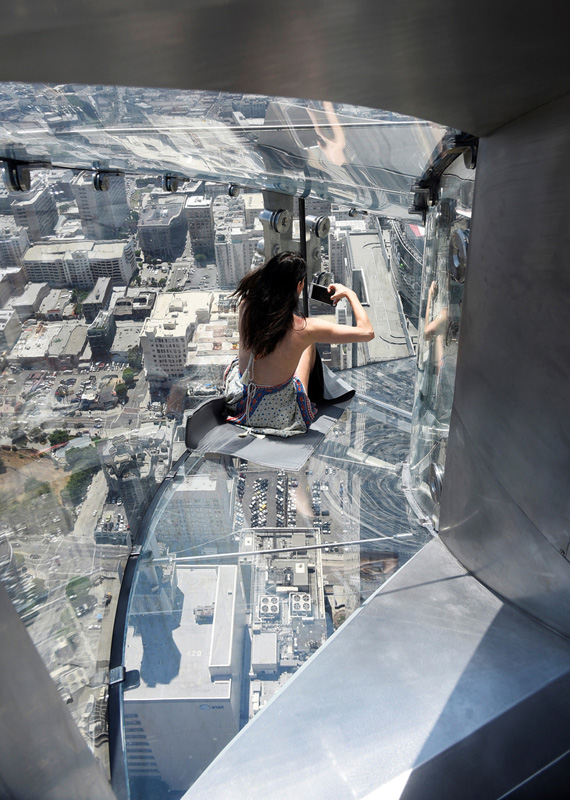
(321, 293)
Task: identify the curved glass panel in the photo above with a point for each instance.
(447, 242)
(245, 572)
(115, 321)
(344, 154)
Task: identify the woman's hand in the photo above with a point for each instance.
(338, 291)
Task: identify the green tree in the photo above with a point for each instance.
(58, 437)
(134, 357)
(129, 377)
(77, 486)
(121, 390)
(77, 298)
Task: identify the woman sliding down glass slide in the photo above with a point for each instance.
(266, 386)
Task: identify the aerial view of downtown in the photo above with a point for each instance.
(116, 322)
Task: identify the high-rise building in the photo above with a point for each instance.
(200, 225)
(80, 263)
(214, 345)
(29, 301)
(235, 249)
(212, 189)
(167, 332)
(234, 243)
(10, 328)
(163, 228)
(317, 207)
(251, 105)
(103, 214)
(101, 333)
(36, 210)
(337, 254)
(176, 732)
(253, 205)
(115, 260)
(14, 242)
(97, 299)
(12, 283)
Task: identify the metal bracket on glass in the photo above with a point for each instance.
(425, 190)
(320, 226)
(458, 246)
(116, 675)
(317, 228)
(277, 221)
(170, 183)
(101, 174)
(100, 181)
(16, 173)
(131, 679)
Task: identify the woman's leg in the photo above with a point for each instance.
(305, 366)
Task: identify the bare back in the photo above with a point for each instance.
(281, 364)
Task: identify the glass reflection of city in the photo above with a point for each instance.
(119, 247)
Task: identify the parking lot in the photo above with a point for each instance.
(269, 501)
(45, 400)
(183, 275)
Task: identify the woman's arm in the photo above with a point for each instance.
(435, 326)
(320, 330)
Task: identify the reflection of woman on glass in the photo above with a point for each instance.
(266, 386)
(436, 329)
(333, 146)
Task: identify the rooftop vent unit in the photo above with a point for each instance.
(268, 606)
(204, 614)
(300, 604)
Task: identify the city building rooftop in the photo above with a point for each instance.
(160, 211)
(210, 643)
(173, 312)
(198, 201)
(35, 341)
(98, 292)
(126, 337)
(49, 250)
(29, 295)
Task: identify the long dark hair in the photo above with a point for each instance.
(271, 294)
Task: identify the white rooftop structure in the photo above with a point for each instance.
(174, 311)
(205, 676)
(59, 248)
(167, 332)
